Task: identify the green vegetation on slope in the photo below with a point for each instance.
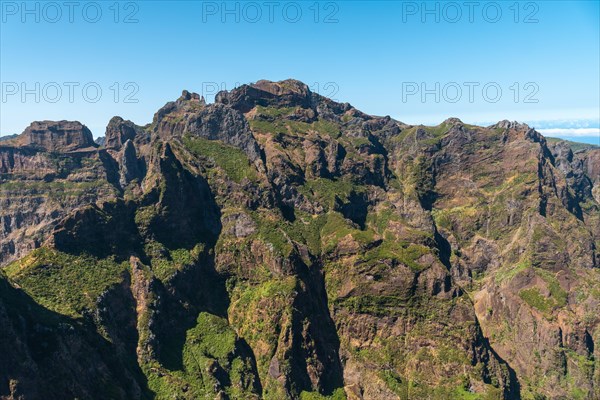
(65, 283)
(231, 160)
(211, 348)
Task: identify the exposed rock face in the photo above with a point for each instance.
(50, 136)
(506, 124)
(100, 141)
(118, 132)
(38, 188)
(267, 93)
(130, 165)
(277, 244)
(190, 115)
(591, 167)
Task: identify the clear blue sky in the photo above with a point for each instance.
(378, 56)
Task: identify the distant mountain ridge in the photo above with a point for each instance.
(575, 146)
(8, 137)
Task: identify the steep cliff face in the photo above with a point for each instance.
(522, 227)
(277, 244)
(46, 172)
(50, 136)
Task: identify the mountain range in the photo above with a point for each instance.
(277, 244)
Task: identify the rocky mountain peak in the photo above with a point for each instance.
(188, 103)
(55, 136)
(287, 93)
(118, 132)
(506, 124)
(288, 86)
(453, 121)
(190, 96)
(100, 141)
